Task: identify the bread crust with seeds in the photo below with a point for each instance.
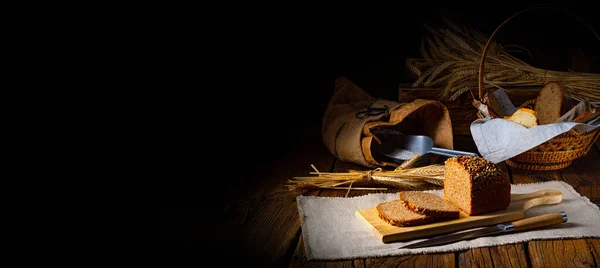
(476, 185)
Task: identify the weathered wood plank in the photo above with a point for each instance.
(584, 175)
(509, 255)
(264, 222)
(299, 256)
(561, 253)
(421, 260)
(521, 176)
(595, 246)
(591, 192)
(512, 255)
(474, 257)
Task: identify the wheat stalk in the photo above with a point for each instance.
(404, 176)
(451, 56)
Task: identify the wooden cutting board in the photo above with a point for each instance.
(519, 203)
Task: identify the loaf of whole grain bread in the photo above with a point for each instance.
(473, 185)
(476, 185)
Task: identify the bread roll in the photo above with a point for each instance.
(525, 117)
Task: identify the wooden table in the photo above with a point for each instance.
(261, 226)
(267, 224)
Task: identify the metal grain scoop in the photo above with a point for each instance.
(406, 146)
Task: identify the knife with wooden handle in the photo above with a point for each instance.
(520, 225)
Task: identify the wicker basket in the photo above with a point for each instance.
(556, 153)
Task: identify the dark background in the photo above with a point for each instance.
(272, 75)
(370, 47)
(289, 61)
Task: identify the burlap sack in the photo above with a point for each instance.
(354, 120)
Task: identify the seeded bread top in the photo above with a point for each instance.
(478, 167)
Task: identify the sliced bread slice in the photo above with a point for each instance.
(428, 204)
(549, 102)
(525, 117)
(396, 213)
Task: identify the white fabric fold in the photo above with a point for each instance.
(499, 139)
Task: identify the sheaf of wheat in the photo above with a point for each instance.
(450, 58)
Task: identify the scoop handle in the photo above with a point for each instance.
(448, 152)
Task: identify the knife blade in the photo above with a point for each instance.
(520, 225)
